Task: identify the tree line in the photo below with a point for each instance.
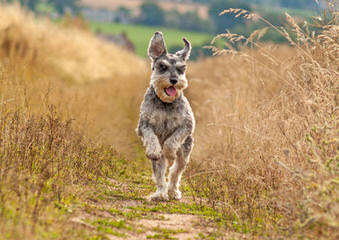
(59, 5)
(151, 13)
(301, 4)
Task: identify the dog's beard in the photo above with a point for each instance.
(161, 84)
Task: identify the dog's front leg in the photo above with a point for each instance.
(159, 171)
(173, 143)
(159, 163)
(178, 148)
(150, 140)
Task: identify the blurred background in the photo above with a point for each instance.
(130, 23)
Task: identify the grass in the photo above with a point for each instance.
(262, 132)
(140, 35)
(265, 162)
(43, 164)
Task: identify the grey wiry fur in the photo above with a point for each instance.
(166, 122)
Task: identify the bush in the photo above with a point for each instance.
(226, 21)
(188, 21)
(152, 14)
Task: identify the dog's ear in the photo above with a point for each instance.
(185, 53)
(157, 46)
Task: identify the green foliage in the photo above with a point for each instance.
(112, 223)
(44, 7)
(59, 5)
(30, 4)
(300, 4)
(188, 21)
(303, 4)
(163, 236)
(152, 14)
(124, 11)
(226, 21)
(62, 5)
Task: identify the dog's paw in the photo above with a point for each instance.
(174, 194)
(153, 152)
(158, 196)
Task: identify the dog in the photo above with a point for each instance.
(166, 122)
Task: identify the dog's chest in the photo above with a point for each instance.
(165, 122)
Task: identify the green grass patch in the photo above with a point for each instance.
(168, 231)
(45, 8)
(178, 208)
(111, 231)
(120, 224)
(140, 35)
(164, 236)
(130, 215)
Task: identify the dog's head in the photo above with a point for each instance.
(168, 70)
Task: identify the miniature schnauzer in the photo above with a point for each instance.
(166, 121)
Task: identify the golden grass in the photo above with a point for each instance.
(266, 148)
(98, 84)
(64, 96)
(44, 163)
(50, 47)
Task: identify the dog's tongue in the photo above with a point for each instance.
(171, 91)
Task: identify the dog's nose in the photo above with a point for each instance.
(173, 81)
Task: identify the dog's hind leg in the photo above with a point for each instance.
(159, 171)
(178, 168)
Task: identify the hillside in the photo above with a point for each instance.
(140, 35)
(44, 42)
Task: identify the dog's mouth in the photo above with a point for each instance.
(170, 91)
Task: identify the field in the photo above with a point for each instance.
(134, 5)
(265, 163)
(140, 35)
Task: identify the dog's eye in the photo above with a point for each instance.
(181, 70)
(162, 67)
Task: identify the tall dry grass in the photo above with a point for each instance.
(65, 107)
(44, 164)
(97, 84)
(266, 149)
(70, 53)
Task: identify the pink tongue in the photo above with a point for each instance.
(171, 91)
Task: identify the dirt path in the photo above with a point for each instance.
(156, 225)
(119, 211)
